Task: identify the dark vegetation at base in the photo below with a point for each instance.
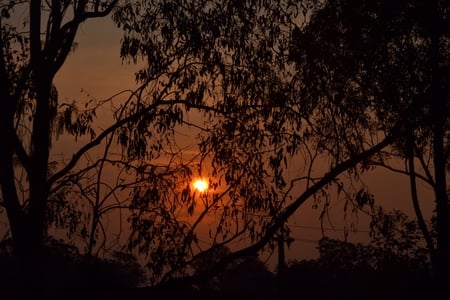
(63, 274)
(325, 283)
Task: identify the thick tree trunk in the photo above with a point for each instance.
(7, 137)
(11, 201)
(439, 115)
(39, 155)
(39, 169)
(442, 206)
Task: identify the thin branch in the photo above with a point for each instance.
(401, 171)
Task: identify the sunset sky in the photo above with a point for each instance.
(96, 69)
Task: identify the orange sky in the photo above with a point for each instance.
(95, 65)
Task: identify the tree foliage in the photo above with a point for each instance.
(229, 69)
(391, 60)
(265, 89)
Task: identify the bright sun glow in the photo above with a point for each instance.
(201, 185)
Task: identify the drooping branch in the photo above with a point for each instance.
(131, 118)
(326, 179)
(417, 209)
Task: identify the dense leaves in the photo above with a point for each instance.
(371, 62)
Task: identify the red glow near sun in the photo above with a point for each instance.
(200, 185)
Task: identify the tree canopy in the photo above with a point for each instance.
(324, 90)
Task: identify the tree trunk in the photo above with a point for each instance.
(415, 201)
(11, 201)
(439, 116)
(39, 168)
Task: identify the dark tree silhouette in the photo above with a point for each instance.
(142, 127)
(27, 69)
(342, 81)
(355, 271)
(365, 83)
(391, 60)
(263, 87)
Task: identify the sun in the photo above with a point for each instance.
(200, 185)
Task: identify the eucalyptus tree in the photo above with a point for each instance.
(288, 85)
(237, 63)
(268, 90)
(31, 56)
(393, 60)
(38, 195)
(224, 60)
(42, 197)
